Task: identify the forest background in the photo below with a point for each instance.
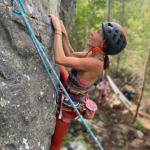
(133, 16)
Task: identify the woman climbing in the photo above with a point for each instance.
(86, 68)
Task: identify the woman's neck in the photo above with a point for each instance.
(97, 55)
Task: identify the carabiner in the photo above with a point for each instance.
(22, 7)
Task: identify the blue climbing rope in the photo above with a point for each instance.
(22, 7)
(40, 51)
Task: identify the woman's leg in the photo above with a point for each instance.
(59, 134)
(63, 75)
(60, 130)
(61, 127)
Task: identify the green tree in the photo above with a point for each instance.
(133, 15)
(80, 22)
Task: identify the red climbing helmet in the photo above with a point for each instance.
(116, 37)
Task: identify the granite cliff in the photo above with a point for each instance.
(27, 96)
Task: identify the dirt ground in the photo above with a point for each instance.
(113, 141)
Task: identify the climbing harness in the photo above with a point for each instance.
(41, 52)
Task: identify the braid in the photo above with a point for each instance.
(106, 62)
(106, 58)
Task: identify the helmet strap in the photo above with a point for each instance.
(96, 49)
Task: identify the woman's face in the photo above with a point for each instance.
(96, 38)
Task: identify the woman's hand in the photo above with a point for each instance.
(56, 22)
(63, 28)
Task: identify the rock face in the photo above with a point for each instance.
(27, 96)
(76, 145)
(137, 143)
(66, 11)
(117, 104)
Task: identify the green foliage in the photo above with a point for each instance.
(67, 138)
(133, 15)
(78, 28)
(86, 144)
(101, 117)
(94, 129)
(137, 125)
(146, 94)
(118, 136)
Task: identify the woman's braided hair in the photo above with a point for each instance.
(106, 58)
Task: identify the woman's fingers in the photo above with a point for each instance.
(62, 25)
(60, 22)
(52, 17)
(56, 22)
(49, 15)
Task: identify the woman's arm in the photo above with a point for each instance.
(68, 50)
(85, 64)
